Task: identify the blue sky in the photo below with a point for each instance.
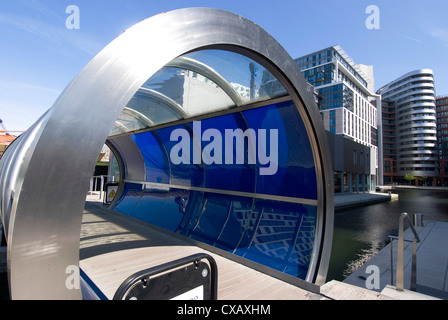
(39, 56)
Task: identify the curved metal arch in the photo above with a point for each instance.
(57, 165)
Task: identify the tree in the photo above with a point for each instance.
(409, 177)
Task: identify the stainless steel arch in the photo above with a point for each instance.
(57, 161)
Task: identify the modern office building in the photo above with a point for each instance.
(389, 142)
(442, 137)
(345, 92)
(413, 98)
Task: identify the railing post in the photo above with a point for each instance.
(391, 261)
(101, 187)
(400, 251)
(414, 266)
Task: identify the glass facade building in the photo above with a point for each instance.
(413, 97)
(442, 137)
(344, 93)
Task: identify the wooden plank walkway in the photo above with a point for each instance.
(114, 246)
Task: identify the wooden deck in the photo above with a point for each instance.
(114, 246)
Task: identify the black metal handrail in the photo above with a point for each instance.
(144, 275)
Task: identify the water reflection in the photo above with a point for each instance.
(359, 233)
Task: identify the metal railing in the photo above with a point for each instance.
(400, 254)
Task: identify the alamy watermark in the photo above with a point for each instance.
(72, 282)
(214, 153)
(373, 280)
(73, 21)
(373, 20)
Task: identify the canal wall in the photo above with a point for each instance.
(404, 187)
(350, 200)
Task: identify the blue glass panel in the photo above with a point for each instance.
(234, 176)
(162, 207)
(296, 174)
(282, 236)
(129, 198)
(276, 234)
(155, 157)
(186, 173)
(220, 221)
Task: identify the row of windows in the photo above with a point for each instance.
(419, 129)
(416, 122)
(442, 101)
(421, 155)
(422, 98)
(417, 115)
(315, 59)
(389, 152)
(342, 77)
(358, 129)
(418, 162)
(421, 108)
(442, 114)
(349, 67)
(427, 85)
(418, 169)
(408, 79)
(417, 142)
(417, 149)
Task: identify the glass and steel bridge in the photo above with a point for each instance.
(218, 139)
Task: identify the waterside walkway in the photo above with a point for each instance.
(432, 263)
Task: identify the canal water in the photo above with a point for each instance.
(359, 233)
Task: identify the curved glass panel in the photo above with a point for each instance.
(195, 84)
(248, 78)
(295, 174)
(155, 157)
(194, 92)
(152, 108)
(166, 206)
(204, 181)
(219, 173)
(282, 236)
(243, 180)
(178, 142)
(129, 198)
